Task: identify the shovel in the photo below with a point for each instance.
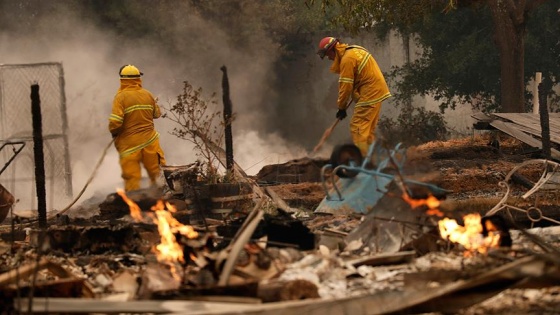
(327, 133)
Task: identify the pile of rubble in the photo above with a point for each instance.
(244, 248)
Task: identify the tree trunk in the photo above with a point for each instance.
(509, 23)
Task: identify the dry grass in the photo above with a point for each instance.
(472, 205)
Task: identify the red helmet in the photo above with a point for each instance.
(325, 45)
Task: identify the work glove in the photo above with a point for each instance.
(341, 114)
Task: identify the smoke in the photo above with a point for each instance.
(91, 57)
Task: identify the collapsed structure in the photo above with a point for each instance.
(379, 235)
(147, 248)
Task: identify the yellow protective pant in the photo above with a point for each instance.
(363, 124)
(151, 157)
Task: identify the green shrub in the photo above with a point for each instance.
(413, 126)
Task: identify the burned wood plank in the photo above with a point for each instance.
(482, 122)
(530, 127)
(242, 237)
(224, 299)
(379, 303)
(21, 281)
(293, 171)
(336, 232)
(531, 120)
(276, 291)
(463, 293)
(531, 123)
(247, 289)
(279, 202)
(21, 272)
(86, 306)
(96, 240)
(481, 116)
(555, 137)
(383, 259)
(70, 287)
(511, 130)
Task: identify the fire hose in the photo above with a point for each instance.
(92, 176)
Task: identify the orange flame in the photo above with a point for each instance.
(168, 250)
(469, 236)
(431, 202)
(135, 211)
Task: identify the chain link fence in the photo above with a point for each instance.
(16, 134)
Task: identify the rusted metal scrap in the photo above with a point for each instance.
(391, 226)
(6, 202)
(531, 188)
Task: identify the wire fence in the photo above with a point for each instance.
(16, 134)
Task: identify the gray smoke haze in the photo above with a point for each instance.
(91, 58)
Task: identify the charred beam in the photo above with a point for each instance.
(38, 154)
(227, 121)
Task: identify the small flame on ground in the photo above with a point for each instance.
(135, 211)
(469, 236)
(431, 202)
(168, 250)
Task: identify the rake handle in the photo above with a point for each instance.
(328, 132)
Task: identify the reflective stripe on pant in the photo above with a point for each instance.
(151, 157)
(363, 124)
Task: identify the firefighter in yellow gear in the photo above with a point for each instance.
(360, 79)
(132, 126)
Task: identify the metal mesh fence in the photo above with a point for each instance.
(16, 132)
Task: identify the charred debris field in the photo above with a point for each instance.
(465, 226)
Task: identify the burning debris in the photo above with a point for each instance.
(148, 248)
(470, 235)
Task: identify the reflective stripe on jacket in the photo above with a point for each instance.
(360, 77)
(132, 117)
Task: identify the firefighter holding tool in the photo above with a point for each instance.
(132, 127)
(360, 79)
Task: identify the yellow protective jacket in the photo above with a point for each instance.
(360, 77)
(132, 117)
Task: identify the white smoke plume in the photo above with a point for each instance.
(91, 58)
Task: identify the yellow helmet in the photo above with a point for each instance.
(129, 72)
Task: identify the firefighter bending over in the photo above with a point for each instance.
(132, 126)
(360, 79)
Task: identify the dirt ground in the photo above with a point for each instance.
(470, 169)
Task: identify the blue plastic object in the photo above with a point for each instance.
(362, 192)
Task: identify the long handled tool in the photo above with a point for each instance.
(328, 132)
